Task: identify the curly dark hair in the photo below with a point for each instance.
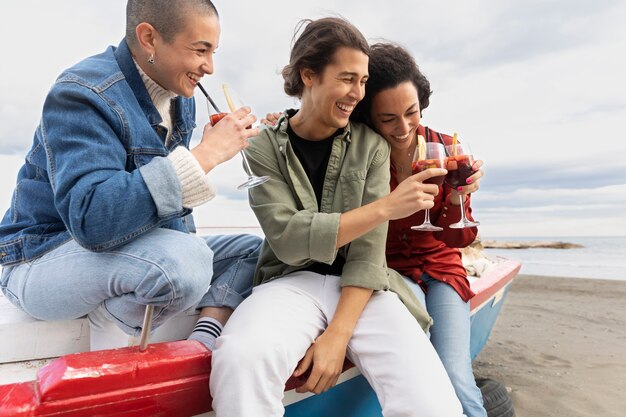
(390, 65)
(315, 48)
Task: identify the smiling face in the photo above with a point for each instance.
(395, 115)
(181, 63)
(330, 97)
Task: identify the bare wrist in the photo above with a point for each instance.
(336, 331)
(205, 159)
(383, 209)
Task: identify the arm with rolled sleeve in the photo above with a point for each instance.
(194, 183)
(102, 204)
(365, 261)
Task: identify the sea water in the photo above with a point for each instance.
(600, 257)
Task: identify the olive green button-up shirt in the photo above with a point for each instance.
(298, 234)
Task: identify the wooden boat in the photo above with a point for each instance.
(172, 378)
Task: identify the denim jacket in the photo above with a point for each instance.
(97, 171)
(297, 233)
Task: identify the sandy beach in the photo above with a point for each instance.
(560, 345)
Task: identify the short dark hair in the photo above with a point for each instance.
(315, 48)
(390, 65)
(167, 16)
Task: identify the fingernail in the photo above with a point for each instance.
(469, 181)
(459, 188)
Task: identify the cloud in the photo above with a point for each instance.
(600, 108)
(596, 171)
(473, 35)
(612, 196)
(552, 212)
(42, 39)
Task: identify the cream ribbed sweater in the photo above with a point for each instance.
(194, 183)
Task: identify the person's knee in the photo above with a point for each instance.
(236, 260)
(232, 355)
(189, 266)
(236, 352)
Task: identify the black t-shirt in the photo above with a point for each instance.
(314, 156)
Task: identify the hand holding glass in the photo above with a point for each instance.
(216, 116)
(459, 165)
(434, 158)
(234, 102)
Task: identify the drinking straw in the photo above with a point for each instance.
(208, 97)
(454, 142)
(231, 105)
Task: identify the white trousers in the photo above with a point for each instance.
(272, 329)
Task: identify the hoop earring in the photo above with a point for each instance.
(151, 60)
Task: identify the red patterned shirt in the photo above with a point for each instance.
(413, 253)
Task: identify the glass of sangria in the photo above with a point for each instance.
(234, 103)
(429, 155)
(459, 165)
(215, 115)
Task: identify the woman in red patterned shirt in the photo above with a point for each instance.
(396, 94)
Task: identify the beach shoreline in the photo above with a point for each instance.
(559, 344)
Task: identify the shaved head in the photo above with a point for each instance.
(166, 16)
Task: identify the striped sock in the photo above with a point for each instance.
(207, 329)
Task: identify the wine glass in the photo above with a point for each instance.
(459, 165)
(234, 102)
(215, 116)
(429, 155)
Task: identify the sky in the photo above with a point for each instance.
(537, 87)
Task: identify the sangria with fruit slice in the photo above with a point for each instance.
(459, 165)
(234, 102)
(216, 116)
(459, 170)
(428, 155)
(419, 166)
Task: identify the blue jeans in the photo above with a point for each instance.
(450, 335)
(168, 269)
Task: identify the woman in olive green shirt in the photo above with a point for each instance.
(323, 276)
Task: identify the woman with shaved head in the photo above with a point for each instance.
(100, 223)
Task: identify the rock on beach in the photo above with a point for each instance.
(495, 244)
